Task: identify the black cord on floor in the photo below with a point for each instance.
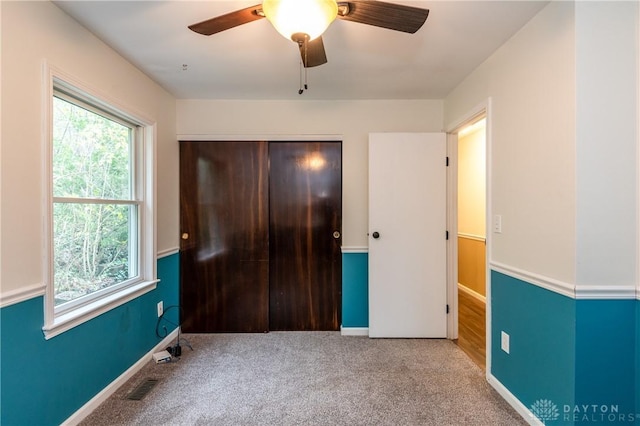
(175, 350)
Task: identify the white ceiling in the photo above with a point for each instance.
(253, 61)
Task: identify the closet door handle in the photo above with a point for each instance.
(336, 234)
(376, 235)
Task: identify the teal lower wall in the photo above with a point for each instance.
(638, 356)
(355, 290)
(43, 382)
(580, 355)
(541, 327)
(605, 361)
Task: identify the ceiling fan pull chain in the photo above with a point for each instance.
(306, 60)
(301, 90)
(304, 45)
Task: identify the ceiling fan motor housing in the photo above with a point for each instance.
(300, 38)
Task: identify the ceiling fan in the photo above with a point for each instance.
(304, 21)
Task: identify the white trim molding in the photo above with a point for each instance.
(483, 108)
(474, 113)
(574, 291)
(472, 237)
(526, 414)
(551, 284)
(105, 393)
(168, 252)
(466, 290)
(260, 137)
(354, 331)
(354, 249)
(56, 82)
(67, 321)
(12, 297)
(605, 292)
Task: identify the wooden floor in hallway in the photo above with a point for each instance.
(472, 328)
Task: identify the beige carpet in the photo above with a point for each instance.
(311, 378)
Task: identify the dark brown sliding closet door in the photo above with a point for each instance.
(305, 196)
(224, 260)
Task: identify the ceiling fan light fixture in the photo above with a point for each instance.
(311, 17)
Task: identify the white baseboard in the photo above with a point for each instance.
(354, 331)
(526, 414)
(463, 288)
(105, 393)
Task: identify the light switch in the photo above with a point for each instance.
(497, 224)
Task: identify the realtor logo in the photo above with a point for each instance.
(545, 410)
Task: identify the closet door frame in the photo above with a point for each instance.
(182, 138)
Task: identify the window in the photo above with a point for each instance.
(100, 220)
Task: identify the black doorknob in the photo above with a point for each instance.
(376, 235)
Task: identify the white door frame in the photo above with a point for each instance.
(484, 108)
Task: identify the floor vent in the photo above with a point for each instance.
(142, 390)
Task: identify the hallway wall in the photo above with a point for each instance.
(531, 83)
(564, 133)
(472, 174)
(472, 195)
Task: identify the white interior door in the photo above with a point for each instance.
(407, 235)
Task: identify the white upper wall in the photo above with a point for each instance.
(607, 138)
(33, 32)
(349, 121)
(531, 83)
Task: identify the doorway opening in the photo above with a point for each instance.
(471, 239)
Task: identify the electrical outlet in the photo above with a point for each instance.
(160, 309)
(505, 342)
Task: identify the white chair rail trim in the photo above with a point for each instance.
(12, 297)
(355, 249)
(168, 252)
(574, 291)
(551, 284)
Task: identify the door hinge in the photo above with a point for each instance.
(447, 235)
(447, 308)
(447, 161)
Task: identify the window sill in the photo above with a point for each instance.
(88, 312)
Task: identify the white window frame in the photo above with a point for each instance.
(57, 320)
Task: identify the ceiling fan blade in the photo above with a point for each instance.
(312, 53)
(386, 15)
(230, 20)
